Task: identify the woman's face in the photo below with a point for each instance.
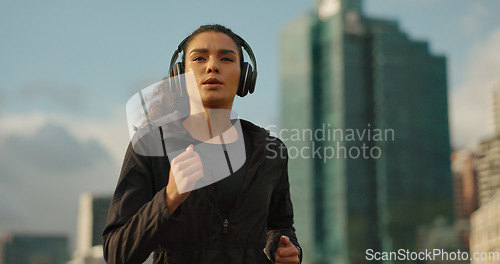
(214, 60)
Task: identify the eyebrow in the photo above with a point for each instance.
(223, 51)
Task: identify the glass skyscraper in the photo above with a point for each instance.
(365, 118)
(29, 248)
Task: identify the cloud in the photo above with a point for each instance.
(473, 21)
(471, 115)
(111, 133)
(53, 149)
(44, 172)
(69, 97)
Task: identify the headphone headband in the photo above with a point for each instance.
(176, 53)
(249, 51)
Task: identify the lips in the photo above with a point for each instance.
(212, 81)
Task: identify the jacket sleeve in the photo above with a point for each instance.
(137, 215)
(280, 219)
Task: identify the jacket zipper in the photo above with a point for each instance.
(249, 173)
(225, 225)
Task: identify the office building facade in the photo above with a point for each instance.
(383, 168)
(488, 168)
(485, 233)
(92, 215)
(465, 191)
(19, 248)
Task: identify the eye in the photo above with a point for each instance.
(198, 58)
(227, 59)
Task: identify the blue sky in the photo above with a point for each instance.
(67, 68)
(87, 58)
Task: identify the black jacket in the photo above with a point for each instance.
(139, 223)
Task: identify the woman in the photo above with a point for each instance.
(246, 217)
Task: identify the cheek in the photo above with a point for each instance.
(236, 76)
(189, 68)
(195, 71)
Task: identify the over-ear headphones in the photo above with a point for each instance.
(248, 76)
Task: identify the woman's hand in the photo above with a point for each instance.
(185, 170)
(286, 253)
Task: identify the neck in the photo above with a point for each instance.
(211, 124)
(218, 121)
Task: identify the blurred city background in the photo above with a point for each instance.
(428, 69)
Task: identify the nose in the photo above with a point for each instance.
(212, 66)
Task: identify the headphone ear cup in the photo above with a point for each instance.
(245, 79)
(253, 82)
